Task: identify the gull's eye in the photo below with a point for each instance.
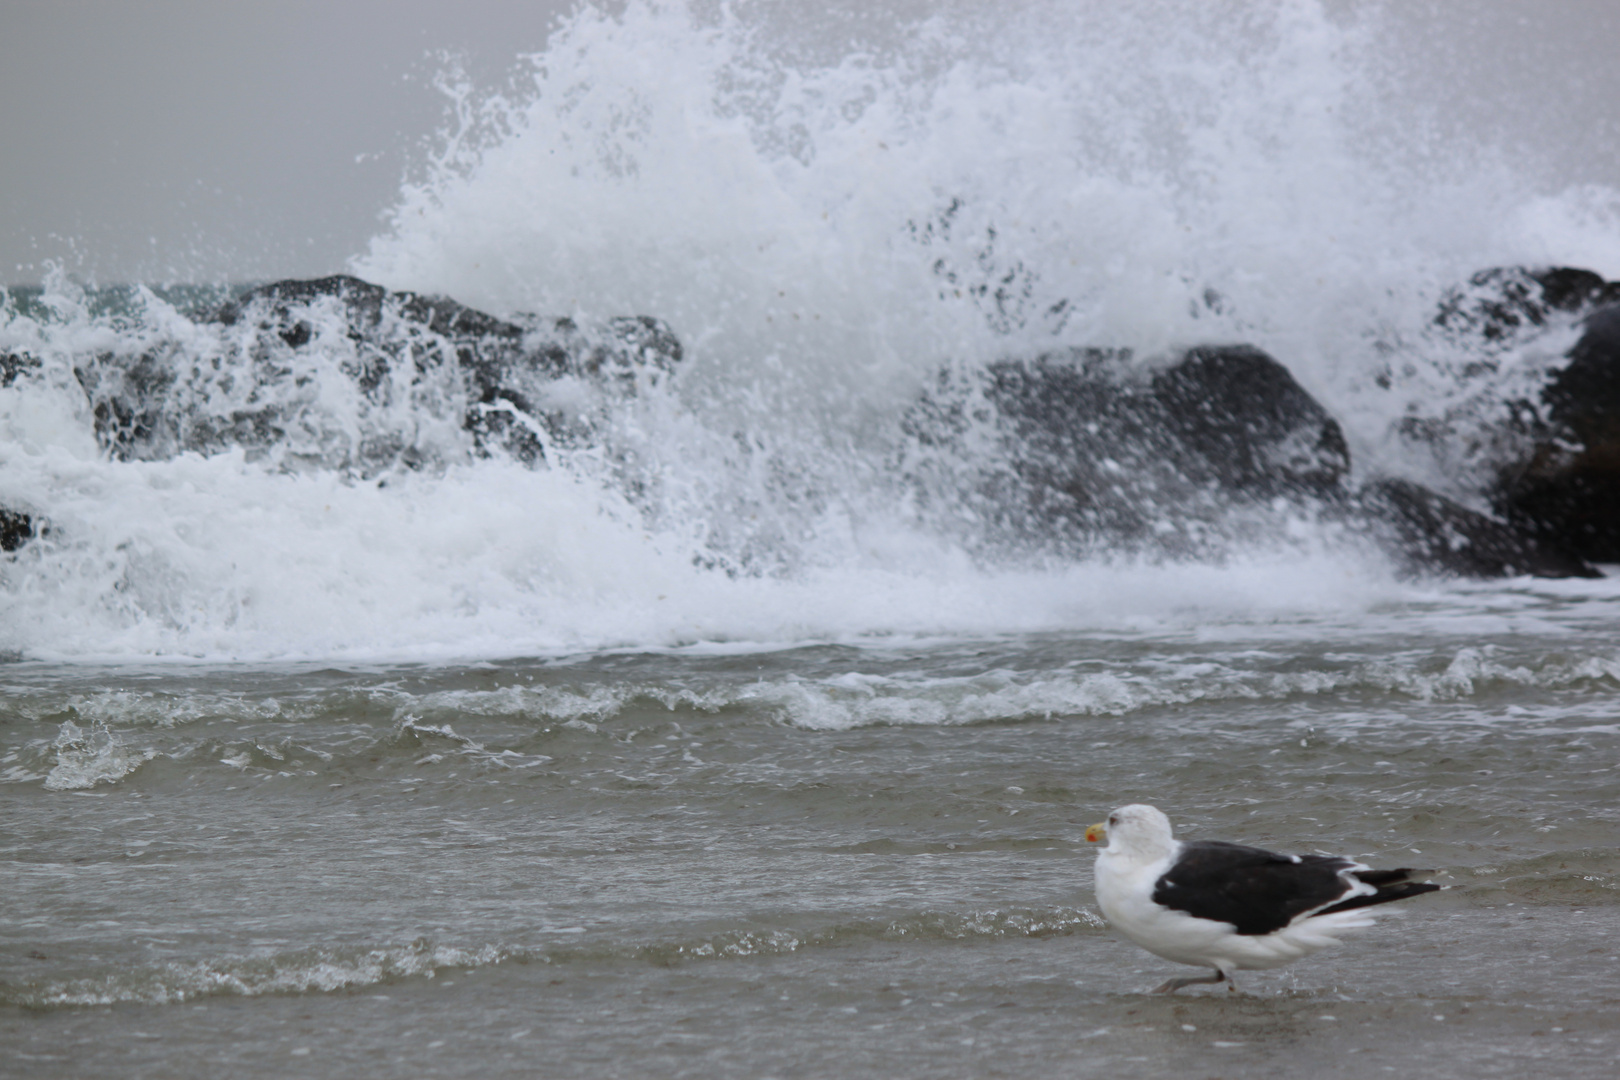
(1113, 819)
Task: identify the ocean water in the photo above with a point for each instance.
(729, 742)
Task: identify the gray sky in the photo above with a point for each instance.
(202, 139)
(162, 139)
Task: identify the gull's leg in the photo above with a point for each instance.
(1176, 984)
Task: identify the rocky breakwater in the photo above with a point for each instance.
(342, 374)
(1566, 488)
(1094, 451)
(1526, 416)
(17, 526)
(1069, 454)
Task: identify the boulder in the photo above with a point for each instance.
(1430, 534)
(15, 365)
(258, 377)
(16, 529)
(1569, 489)
(1244, 424)
(1092, 450)
(1506, 302)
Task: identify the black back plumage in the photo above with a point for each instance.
(1260, 891)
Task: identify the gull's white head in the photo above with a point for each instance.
(1137, 829)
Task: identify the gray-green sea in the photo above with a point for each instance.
(829, 860)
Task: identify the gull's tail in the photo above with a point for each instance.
(1390, 885)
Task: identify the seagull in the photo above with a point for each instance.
(1226, 906)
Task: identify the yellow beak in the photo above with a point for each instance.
(1098, 832)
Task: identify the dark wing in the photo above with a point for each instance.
(1256, 891)
(1391, 885)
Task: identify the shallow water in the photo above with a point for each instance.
(824, 860)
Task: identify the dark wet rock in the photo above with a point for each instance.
(1244, 424)
(505, 406)
(1431, 534)
(259, 376)
(1088, 453)
(1472, 388)
(16, 365)
(1096, 451)
(1529, 423)
(16, 529)
(1508, 301)
(1569, 489)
